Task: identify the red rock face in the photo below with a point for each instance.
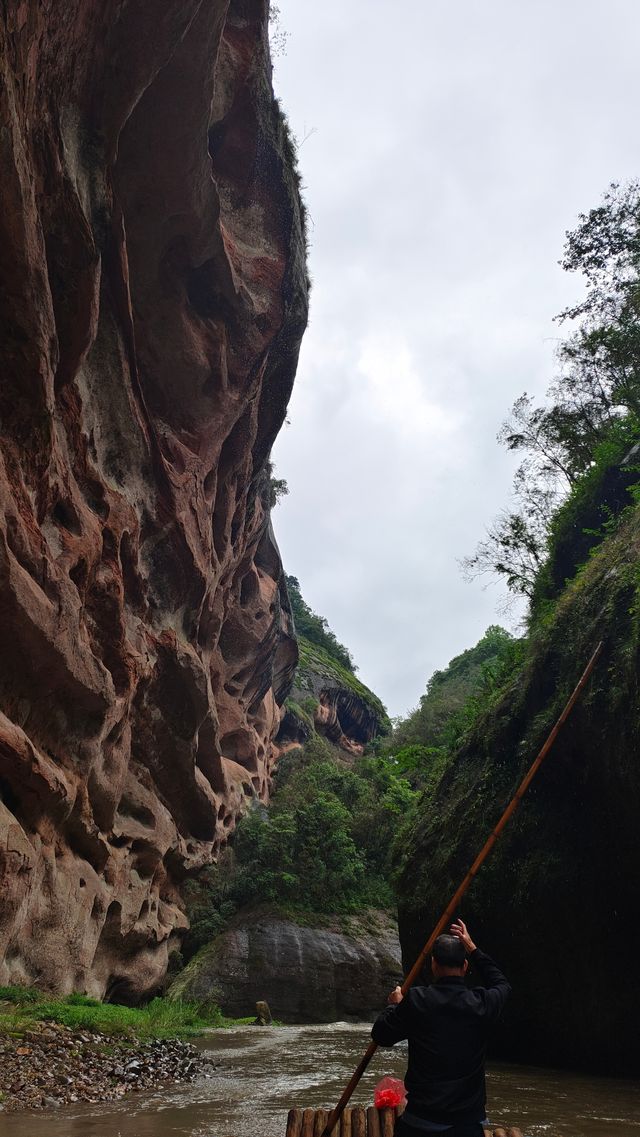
(152, 301)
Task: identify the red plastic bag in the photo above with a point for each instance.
(389, 1092)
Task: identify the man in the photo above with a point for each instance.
(447, 1025)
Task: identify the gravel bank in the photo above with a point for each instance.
(50, 1065)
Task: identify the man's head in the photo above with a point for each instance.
(449, 957)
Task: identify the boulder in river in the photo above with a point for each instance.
(341, 970)
(263, 1014)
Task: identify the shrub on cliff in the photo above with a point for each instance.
(302, 856)
(211, 902)
(324, 846)
(453, 697)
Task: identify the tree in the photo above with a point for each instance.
(277, 487)
(598, 381)
(277, 35)
(604, 351)
(414, 738)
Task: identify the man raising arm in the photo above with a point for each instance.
(447, 1026)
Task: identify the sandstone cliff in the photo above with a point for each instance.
(152, 301)
(346, 711)
(305, 973)
(326, 694)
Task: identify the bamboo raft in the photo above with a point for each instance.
(359, 1122)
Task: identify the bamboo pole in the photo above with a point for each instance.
(460, 891)
(320, 1122)
(373, 1122)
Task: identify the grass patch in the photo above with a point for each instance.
(158, 1019)
(14, 1024)
(19, 996)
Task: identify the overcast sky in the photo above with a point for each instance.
(445, 150)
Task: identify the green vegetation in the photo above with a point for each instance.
(328, 836)
(569, 853)
(158, 1019)
(451, 694)
(329, 842)
(277, 486)
(324, 847)
(316, 661)
(303, 714)
(278, 35)
(598, 502)
(575, 445)
(568, 546)
(325, 661)
(423, 746)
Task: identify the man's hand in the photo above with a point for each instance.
(396, 996)
(459, 929)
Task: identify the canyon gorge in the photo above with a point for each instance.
(159, 672)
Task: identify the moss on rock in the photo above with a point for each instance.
(558, 891)
(317, 669)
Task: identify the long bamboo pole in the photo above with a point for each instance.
(446, 916)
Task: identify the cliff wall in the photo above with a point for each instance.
(305, 973)
(152, 301)
(557, 902)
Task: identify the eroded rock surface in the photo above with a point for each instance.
(152, 301)
(341, 706)
(346, 719)
(306, 974)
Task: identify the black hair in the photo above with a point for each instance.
(449, 951)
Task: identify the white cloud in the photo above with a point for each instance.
(393, 387)
(452, 147)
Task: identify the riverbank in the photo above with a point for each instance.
(49, 1065)
(56, 1052)
(260, 1074)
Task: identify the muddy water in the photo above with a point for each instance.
(264, 1071)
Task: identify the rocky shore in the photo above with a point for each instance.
(50, 1065)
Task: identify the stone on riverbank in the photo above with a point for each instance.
(50, 1065)
(263, 1014)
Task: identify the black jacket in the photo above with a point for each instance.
(447, 1025)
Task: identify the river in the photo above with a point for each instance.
(263, 1071)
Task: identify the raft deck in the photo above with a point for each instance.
(359, 1122)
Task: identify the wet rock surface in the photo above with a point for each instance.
(55, 1065)
(306, 974)
(571, 857)
(152, 301)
